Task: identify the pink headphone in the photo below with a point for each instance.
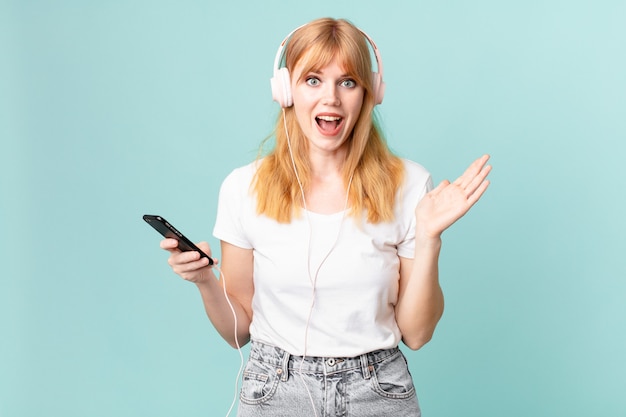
(281, 81)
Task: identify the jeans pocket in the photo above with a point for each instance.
(391, 378)
(259, 383)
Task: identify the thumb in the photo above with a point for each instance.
(443, 184)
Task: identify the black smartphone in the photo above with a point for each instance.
(167, 230)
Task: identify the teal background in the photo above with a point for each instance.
(113, 109)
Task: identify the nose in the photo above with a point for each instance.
(331, 95)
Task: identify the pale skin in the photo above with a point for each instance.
(420, 299)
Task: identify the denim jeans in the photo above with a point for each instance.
(375, 384)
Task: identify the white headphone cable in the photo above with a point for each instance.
(295, 170)
(232, 309)
(313, 279)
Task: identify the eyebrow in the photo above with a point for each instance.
(320, 72)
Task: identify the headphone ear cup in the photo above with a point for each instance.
(378, 86)
(281, 87)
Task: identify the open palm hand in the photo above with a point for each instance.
(448, 202)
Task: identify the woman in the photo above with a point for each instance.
(329, 243)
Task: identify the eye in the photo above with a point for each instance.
(348, 83)
(312, 81)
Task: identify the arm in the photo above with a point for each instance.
(236, 276)
(420, 299)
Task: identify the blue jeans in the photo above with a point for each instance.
(375, 384)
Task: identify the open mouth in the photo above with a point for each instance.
(329, 125)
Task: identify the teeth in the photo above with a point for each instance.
(329, 118)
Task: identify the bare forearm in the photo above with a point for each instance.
(221, 314)
(420, 302)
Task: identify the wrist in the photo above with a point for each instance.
(425, 241)
(205, 278)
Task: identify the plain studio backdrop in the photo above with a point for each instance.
(113, 109)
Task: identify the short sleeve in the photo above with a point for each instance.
(417, 184)
(233, 203)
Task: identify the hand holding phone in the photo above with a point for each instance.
(167, 230)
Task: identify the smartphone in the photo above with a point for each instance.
(167, 230)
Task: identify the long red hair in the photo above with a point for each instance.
(376, 173)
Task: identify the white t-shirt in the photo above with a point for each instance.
(350, 298)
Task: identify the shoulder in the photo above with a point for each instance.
(241, 177)
(417, 182)
(416, 176)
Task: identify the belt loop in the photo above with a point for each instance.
(285, 366)
(365, 366)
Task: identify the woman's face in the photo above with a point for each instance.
(327, 103)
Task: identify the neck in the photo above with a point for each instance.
(327, 193)
(327, 167)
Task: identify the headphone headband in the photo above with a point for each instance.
(281, 81)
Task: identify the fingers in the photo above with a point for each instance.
(474, 177)
(189, 265)
(475, 196)
(204, 247)
(478, 181)
(475, 169)
(442, 185)
(169, 244)
(471, 180)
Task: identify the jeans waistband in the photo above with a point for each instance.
(278, 357)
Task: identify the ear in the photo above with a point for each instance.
(281, 87)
